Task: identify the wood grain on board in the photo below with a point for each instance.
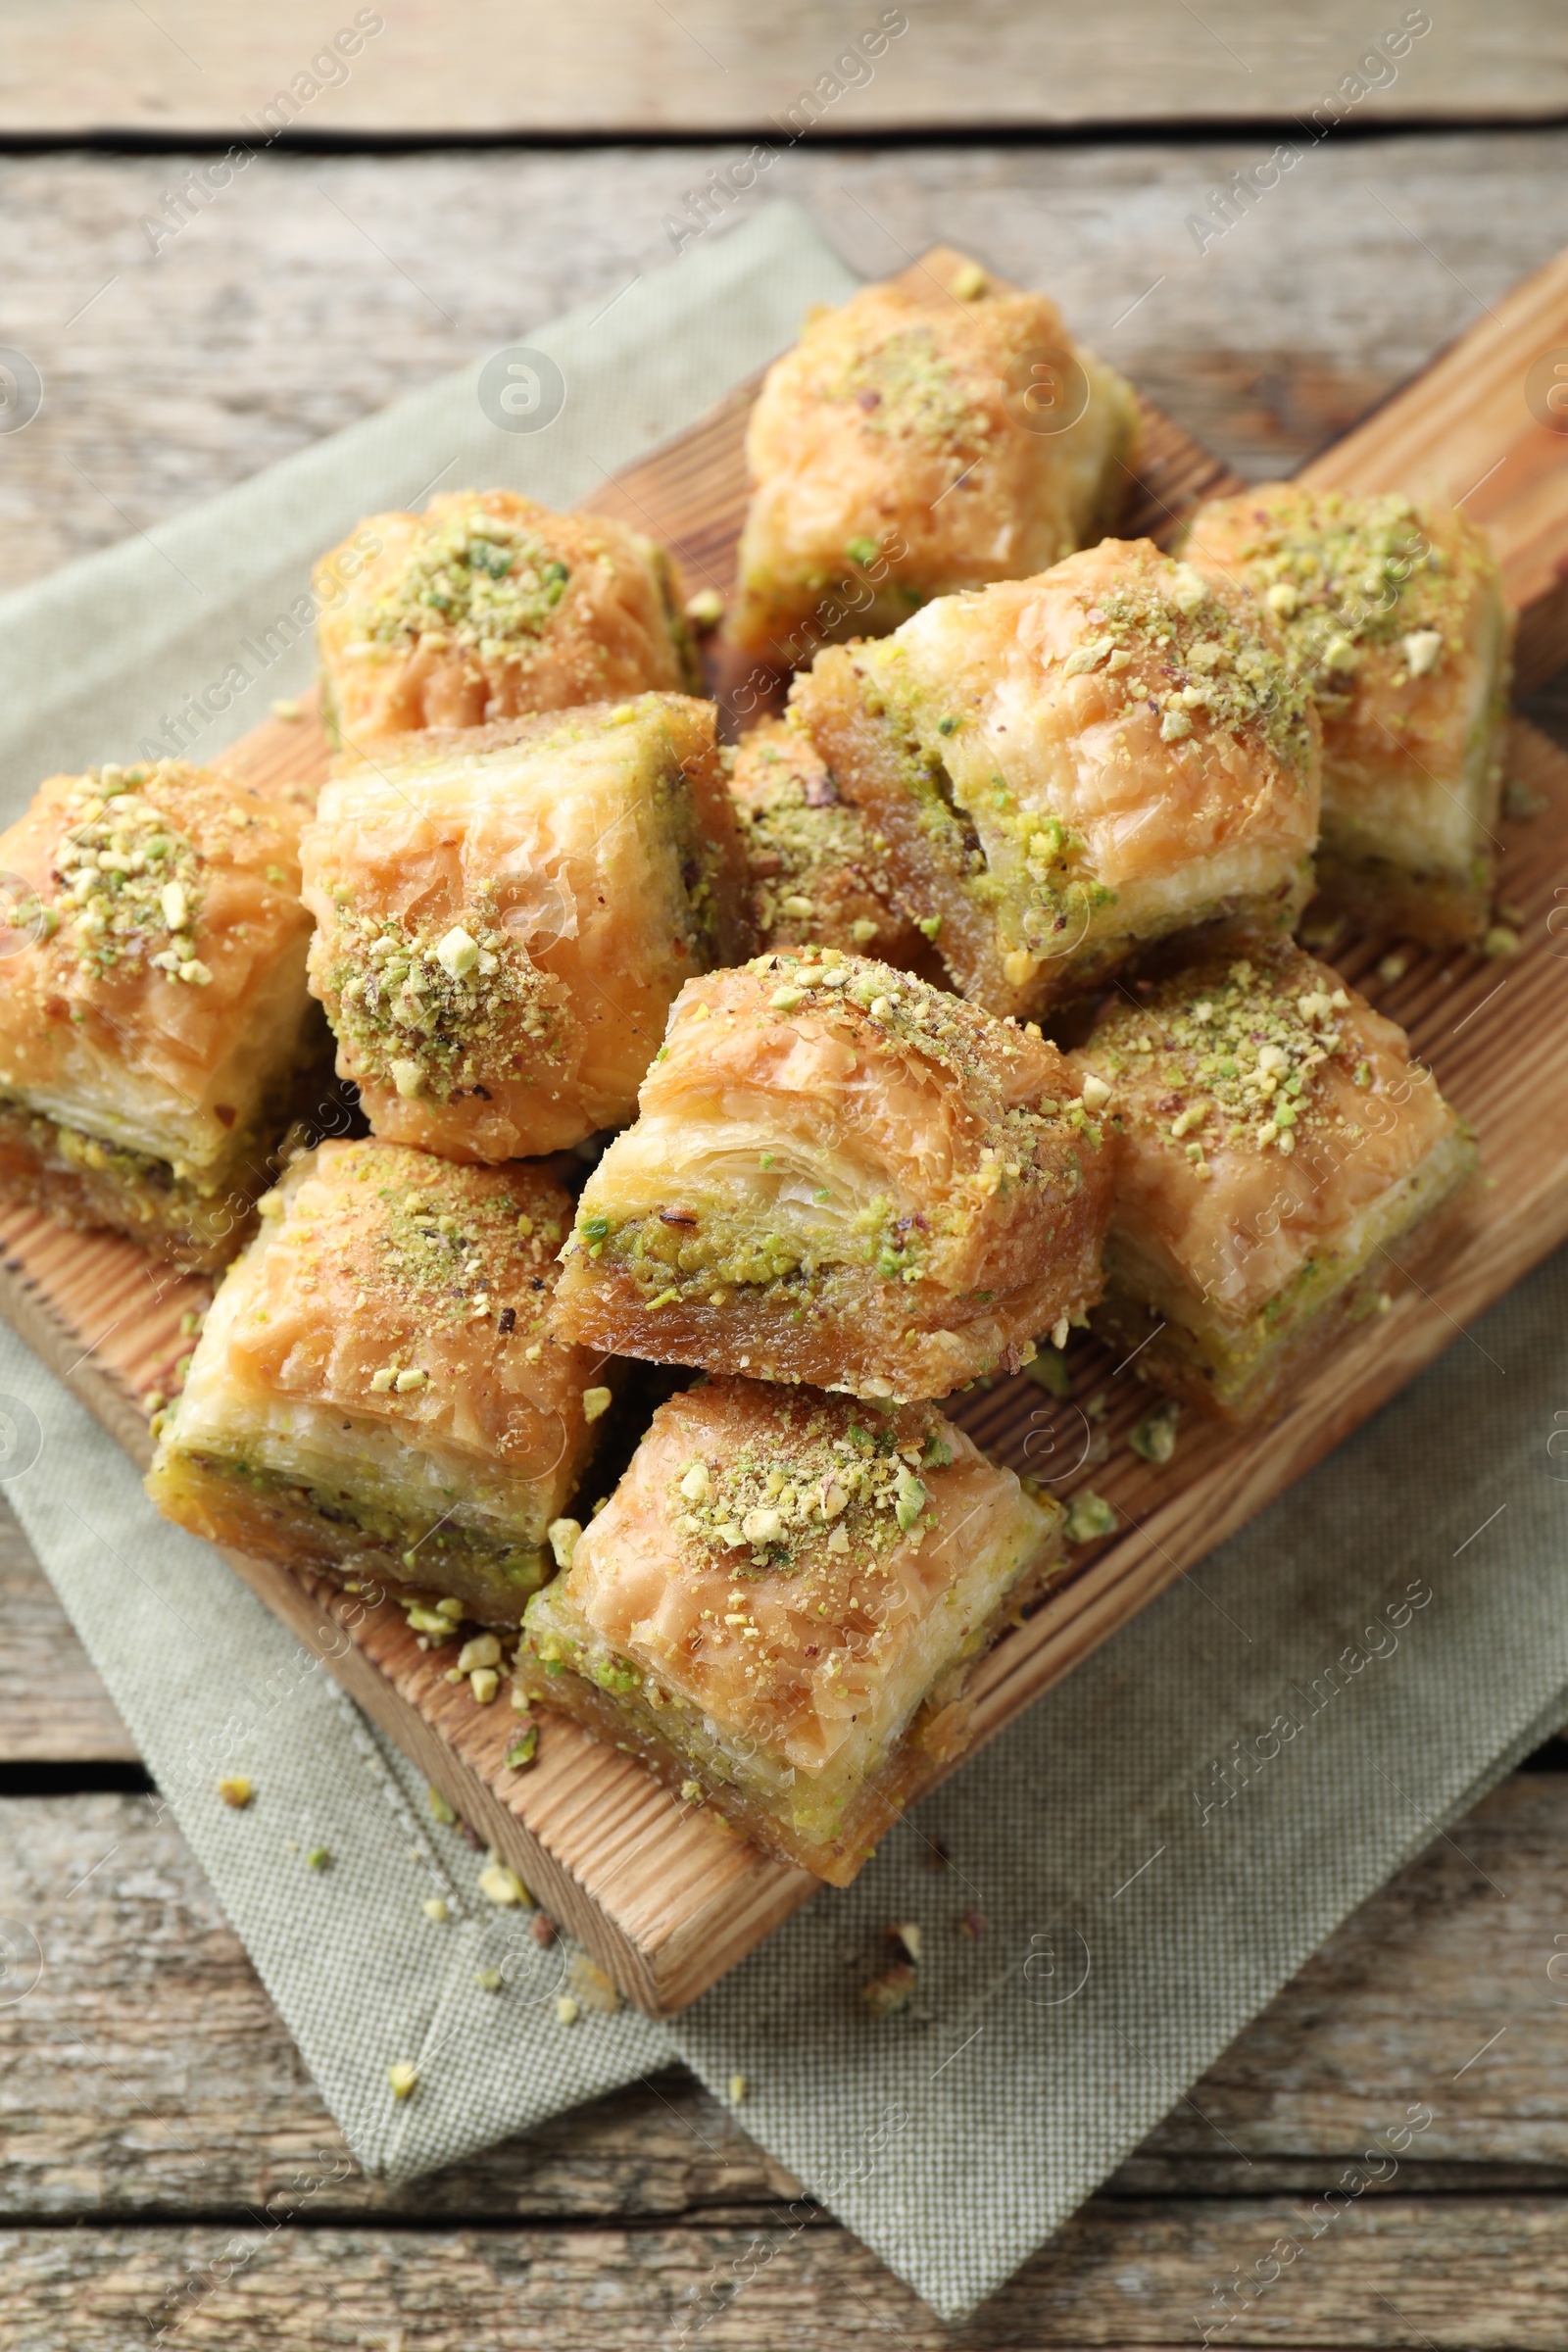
(77, 67)
(664, 1897)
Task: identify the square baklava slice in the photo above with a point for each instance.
(818, 869)
(1068, 767)
(488, 605)
(934, 433)
(841, 1175)
(155, 1034)
(1393, 611)
(378, 1393)
(1283, 1162)
(506, 917)
(779, 1606)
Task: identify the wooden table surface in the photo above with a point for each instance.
(151, 2101)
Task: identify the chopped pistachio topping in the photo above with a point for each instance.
(704, 609)
(501, 1885)
(1154, 1434)
(1237, 1054)
(1341, 573)
(885, 1993)
(478, 579)
(438, 1008)
(1089, 1517)
(436, 1253)
(563, 1534)
(1173, 640)
(822, 1482)
(591, 1986)
(127, 884)
(906, 385)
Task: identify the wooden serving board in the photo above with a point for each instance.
(663, 1896)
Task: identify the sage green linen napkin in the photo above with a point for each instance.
(1153, 1851)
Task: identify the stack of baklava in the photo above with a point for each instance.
(782, 1020)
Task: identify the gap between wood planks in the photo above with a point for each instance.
(1165, 131)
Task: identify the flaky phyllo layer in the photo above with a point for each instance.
(488, 605)
(1069, 767)
(1278, 1146)
(924, 438)
(505, 917)
(1393, 612)
(841, 1175)
(154, 1022)
(778, 1607)
(377, 1389)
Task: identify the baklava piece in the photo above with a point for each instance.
(1283, 1160)
(488, 605)
(506, 917)
(936, 433)
(1395, 614)
(156, 1036)
(1068, 767)
(780, 1604)
(818, 872)
(844, 1176)
(377, 1395)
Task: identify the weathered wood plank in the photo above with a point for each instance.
(79, 66)
(146, 2073)
(1473, 2272)
(272, 318)
(53, 1705)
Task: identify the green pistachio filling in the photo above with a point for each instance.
(498, 1568)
